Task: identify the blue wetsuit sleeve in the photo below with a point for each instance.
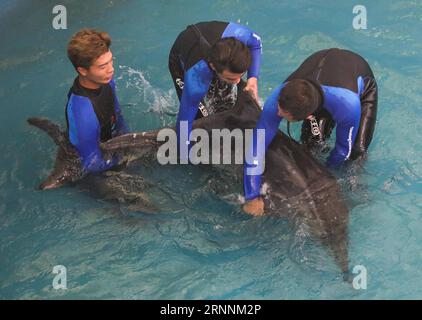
(121, 127)
(254, 166)
(255, 46)
(252, 40)
(84, 134)
(345, 109)
(196, 84)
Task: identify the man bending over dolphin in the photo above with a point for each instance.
(331, 87)
(206, 62)
(92, 112)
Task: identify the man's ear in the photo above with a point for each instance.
(279, 111)
(82, 71)
(212, 66)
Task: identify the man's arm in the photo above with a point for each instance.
(345, 108)
(196, 84)
(84, 134)
(255, 47)
(252, 40)
(269, 121)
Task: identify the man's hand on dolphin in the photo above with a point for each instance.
(254, 207)
(252, 87)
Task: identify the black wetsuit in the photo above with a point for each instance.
(93, 116)
(349, 100)
(196, 83)
(341, 69)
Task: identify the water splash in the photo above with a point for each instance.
(164, 103)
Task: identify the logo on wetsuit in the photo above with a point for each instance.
(314, 126)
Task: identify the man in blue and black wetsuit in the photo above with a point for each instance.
(331, 87)
(92, 112)
(206, 62)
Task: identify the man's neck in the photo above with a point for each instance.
(84, 82)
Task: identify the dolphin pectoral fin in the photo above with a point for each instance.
(125, 189)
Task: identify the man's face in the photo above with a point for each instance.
(101, 71)
(230, 77)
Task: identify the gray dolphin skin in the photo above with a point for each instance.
(110, 185)
(67, 167)
(299, 187)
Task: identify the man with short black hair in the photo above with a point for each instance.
(206, 62)
(331, 87)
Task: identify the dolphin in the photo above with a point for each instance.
(112, 185)
(298, 187)
(68, 167)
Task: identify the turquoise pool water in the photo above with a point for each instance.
(206, 249)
